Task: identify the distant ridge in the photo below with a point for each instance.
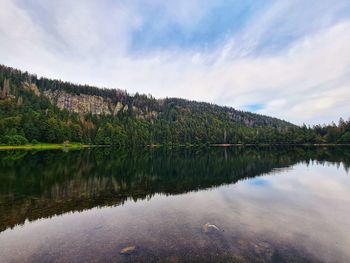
(55, 111)
(66, 95)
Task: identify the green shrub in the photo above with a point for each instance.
(14, 140)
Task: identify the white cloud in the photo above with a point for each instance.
(308, 81)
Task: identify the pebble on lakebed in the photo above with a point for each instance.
(128, 250)
(210, 228)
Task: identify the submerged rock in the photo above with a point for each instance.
(210, 228)
(128, 250)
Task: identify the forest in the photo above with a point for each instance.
(27, 116)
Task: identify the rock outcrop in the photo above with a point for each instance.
(31, 87)
(5, 91)
(82, 104)
(91, 104)
(210, 228)
(118, 108)
(128, 250)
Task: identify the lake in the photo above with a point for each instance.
(242, 204)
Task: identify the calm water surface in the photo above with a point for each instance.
(263, 205)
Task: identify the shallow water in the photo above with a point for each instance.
(269, 205)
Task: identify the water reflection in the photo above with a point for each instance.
(283, 215)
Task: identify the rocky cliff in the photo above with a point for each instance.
(5, 91)
(82, 103)
(88, 104)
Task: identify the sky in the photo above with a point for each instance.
(287, 59)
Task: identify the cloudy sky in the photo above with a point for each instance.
(288, 59)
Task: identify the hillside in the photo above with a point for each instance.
(40, 109)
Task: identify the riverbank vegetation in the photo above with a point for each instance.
(44, 146)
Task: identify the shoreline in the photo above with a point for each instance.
(77, 146)
(247, 144)
(46, 146)
(274, 144)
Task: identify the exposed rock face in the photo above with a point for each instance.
(128, 250)
(85, 104)
(5, 91)
(19, 101)
(117, 108)
(81, 104)
(209, 228)
(31, 87)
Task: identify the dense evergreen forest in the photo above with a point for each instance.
(30, 112)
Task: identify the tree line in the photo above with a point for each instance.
(26, 117)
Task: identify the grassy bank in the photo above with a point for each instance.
(44, 146)
(77, 146)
